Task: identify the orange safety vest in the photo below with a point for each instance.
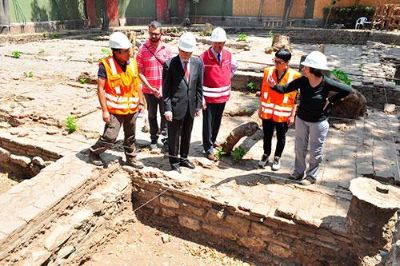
(122, 88)
(275, 105)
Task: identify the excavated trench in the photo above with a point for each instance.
(79, 213)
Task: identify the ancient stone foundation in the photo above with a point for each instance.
(282, 236)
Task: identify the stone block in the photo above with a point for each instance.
(58, 235)
(64, 252)
(279, 251)
(189, 223)
(252, 243)
(37, 257)
(10, 223)
(219, 231)
(38, 161)
(4, 155)
(238, 224)
(169, 202)
(95, 202)
(20, 160)
(167, 213)
(261, 230)
(215, 215)
(81, 217)
(193, 210)
(28, 213)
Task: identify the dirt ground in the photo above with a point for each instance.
(142, 244)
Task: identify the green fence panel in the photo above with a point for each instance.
(138, 8)
(22, 11)
(211, 8)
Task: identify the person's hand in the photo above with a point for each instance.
(197, 113)
(141, 107)
(204, 105)
(259, 113)
(106, 117)
(168, 116)
(271, 81)
(290, 121)
(156, 92)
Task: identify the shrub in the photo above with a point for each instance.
(341, 75)
(218, 153)
(251, 86)
(70, 124)
(242, 37)
(16, 54)
(348, 15)
(238, 154)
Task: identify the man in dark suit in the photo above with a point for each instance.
(182, 92)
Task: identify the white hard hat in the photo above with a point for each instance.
(187, 42)
(118, 40)
(218, 35)
(316, 60)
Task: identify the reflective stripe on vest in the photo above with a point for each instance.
(280, 108)
(114, 72)
(216, 92)
(121, 90)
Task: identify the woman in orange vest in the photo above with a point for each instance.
(120, 98)
(277, 110)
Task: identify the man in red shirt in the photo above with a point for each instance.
(219, 67)
(150, 59)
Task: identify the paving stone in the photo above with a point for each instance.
(81, 217)
(59, 234)
(10, 223)
(28, 213)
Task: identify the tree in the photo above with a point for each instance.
(332, 4)
(286, 12)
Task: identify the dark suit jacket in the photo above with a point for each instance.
(178, 94)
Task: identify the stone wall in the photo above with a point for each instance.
(273, 240)
(379, 93)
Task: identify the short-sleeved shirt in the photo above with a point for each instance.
(101, 73)
(150, 62)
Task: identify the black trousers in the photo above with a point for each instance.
(154, 103)
(179, 133)
(281, 128)
(212, 117)
(111, 131)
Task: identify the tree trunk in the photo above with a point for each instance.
(4, 16)
(246, 129)
(286, 12)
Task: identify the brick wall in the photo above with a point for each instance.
(271, 240)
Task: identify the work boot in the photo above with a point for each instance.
(95, 159)
(264, 161)
(276, 165)
(308, 181)
(295, 176)
(131, 161)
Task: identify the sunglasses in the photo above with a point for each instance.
(278, 62)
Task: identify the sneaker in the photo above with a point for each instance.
(134, 163)
(295, 176)
(308, 181)
(264, 161)
(95, 159)
(276, 165)
(153, 146)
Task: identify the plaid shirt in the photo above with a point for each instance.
(149, 66)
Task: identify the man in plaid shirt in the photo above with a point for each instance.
(150, 59)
